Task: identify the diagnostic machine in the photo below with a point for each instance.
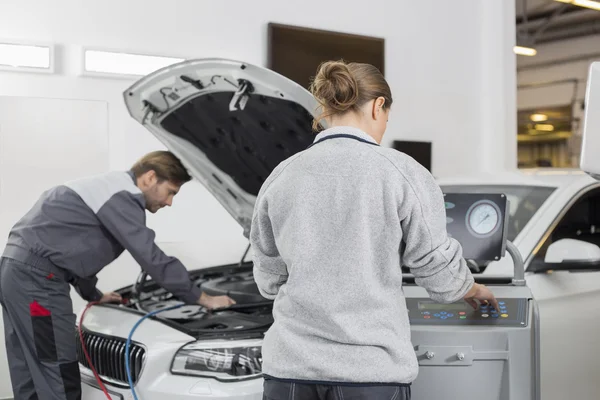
(483, 354)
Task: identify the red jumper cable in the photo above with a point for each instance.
(85, 352)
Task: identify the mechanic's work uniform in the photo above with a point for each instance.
(69, 235)
(331, 228)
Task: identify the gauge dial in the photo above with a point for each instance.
(483, 218)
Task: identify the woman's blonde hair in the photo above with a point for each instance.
(340, 87)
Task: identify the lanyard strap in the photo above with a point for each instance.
(342, 135)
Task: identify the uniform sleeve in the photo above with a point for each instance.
(125, 218)
(86, 288)
(270, 271)
(433, 258)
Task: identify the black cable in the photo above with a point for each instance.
(164, 95)
(212, 80)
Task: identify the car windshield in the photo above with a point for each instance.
(524, 201)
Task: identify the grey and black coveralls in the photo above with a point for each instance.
(68, 236)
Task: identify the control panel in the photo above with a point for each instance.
(424, 311)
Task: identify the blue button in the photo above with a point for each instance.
(450, 315)
(444, 317)
(436, 315)
(501, 303)
(495, 315)
(443, 313)
(426, 313)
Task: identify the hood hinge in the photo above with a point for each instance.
(240, 97)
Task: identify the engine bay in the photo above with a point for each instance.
(251, 316)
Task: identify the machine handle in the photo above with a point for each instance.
(519, 266)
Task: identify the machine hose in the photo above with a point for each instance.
(127, 345)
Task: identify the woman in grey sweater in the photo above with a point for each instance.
(331, 228)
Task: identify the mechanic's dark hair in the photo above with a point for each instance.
(166, 166)
(340, 87)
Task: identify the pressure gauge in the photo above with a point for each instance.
(483, 218)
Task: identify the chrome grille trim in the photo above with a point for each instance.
(108, 357)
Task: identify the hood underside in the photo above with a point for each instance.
(230, 123)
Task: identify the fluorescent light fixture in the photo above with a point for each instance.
(26, 57)
(106, 63)
(593, 4)
(539, 117)
(544, 127)
(524, 51)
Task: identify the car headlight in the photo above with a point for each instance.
(226, 361)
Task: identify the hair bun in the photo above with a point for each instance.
(335, 87)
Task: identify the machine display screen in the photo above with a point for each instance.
(441, 307)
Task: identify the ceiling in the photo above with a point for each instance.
(547, 21)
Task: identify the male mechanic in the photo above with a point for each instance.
(71, 233)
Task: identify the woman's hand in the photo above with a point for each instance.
(481, 293)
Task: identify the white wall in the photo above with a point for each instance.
(450, 66)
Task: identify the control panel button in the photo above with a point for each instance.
(484, 315)
(501, 303)
(463, 317)
(495, 315)
(450, 315)
(462, 313)
(427, 316)
(443, 317)
(436, 315)
(426, 313)
(504, 315)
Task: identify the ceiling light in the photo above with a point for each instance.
(544, 127)
(17, 57)
(594, 5)
(97, 62)
(539, 117)
(524, 51)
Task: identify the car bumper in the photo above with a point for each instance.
(174, 387)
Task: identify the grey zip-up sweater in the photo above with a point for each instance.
(84, 225)
(331, 228)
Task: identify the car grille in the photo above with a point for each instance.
(108, 356)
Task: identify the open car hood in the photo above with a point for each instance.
(229, 122)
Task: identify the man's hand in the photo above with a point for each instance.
(214, 302)
(481, 293)
(111, 297)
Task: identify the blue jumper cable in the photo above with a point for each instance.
(128, 343)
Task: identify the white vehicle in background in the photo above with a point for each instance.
(231, 123)
(555, 223)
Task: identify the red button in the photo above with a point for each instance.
(462, 313)
(426, 317)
